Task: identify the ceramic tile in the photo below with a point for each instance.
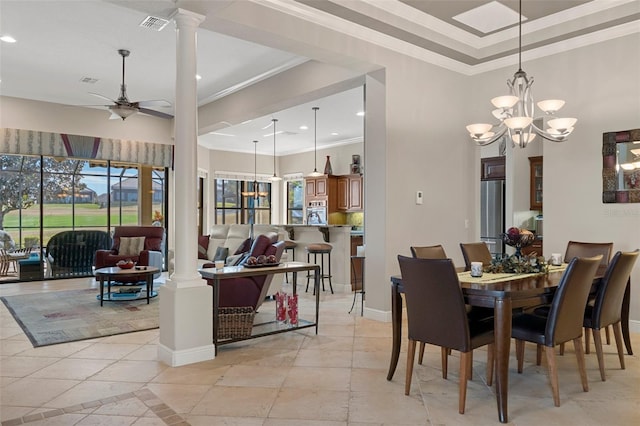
(337, 377)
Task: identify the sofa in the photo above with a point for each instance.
(72, 253)
(150, 254)
(250, 291)
(232, 237)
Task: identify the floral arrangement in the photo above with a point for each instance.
(157, 216)
(518, 238)
(526, 264)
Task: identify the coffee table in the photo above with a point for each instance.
(112, 273)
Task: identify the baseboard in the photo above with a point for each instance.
(376, 314)
(186, 356)
(634, 326)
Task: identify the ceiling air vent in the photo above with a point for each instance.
(154, 23)
(88, 80)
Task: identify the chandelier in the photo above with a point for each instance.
(315, 172)
(255, 194)
(275, 177)
(517, 113)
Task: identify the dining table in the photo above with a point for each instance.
(503, 292)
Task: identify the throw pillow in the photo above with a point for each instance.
(235, 259)
(221, 253)
(244, 247)
(131, 246)
(203, 246)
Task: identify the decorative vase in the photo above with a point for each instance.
(327, 167)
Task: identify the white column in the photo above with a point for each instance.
(186, 302)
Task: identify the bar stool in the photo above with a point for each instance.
(357, 281)
(290, 246)
(315, 250)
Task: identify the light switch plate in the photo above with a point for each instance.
(418, 197)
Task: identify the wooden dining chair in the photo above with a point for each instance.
(564, 322)
(607, 308)
(475, 252)
(436, 315)
(584, 249)
(473, 312)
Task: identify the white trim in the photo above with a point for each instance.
(186, 356)
(221, 174)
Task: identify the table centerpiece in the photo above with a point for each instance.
(518, 238)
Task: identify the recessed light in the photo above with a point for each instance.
(198, 77)
(303, 127)
(334, 134)
(8, 39)
(360, 113)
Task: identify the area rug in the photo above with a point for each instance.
(68, 316)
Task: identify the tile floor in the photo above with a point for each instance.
(337, 377)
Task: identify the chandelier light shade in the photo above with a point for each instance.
(275, 177)
(517, 113)
(315, 172)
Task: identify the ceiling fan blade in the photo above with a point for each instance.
(155, 103)
(155, 113)
(114, 116)
(102, 96)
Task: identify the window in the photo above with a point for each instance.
(295, 198)
(42, 196)
(236, 202)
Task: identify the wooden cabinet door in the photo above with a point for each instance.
(535, 183)
(321, 187)
(493, 168)
(310, 187)
(355, 193)
(343, 193)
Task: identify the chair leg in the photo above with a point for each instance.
(491, 356)
(411, 353)
(538, 354)
(445, 362)
(470, 367)
(520, 354)
(561, 348)
(553, 373)
(465, 367)
(607, 335)
(617, 334)
(597, 341)
(582, 366)
(587, 348)
(421, 352)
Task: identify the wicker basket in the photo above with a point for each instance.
(235, 322)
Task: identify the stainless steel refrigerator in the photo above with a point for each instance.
(492, 215)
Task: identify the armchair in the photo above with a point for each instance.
(150, 255)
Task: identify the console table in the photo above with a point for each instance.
(271, 327)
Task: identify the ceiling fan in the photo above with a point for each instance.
(123, 108)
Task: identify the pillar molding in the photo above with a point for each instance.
(186, 301)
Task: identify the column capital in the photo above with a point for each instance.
(184, 17)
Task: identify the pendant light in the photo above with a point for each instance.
(255, 194)
(516, 113)
(275, 177)
(315, 172)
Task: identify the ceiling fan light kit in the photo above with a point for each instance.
(123, 108)
(516, 113)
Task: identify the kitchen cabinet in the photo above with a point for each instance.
(493, 168)
(349, 189)
(535, 183)
(319, 186)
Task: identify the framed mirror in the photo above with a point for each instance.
(621, 167)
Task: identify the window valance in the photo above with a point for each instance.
(32, 142)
